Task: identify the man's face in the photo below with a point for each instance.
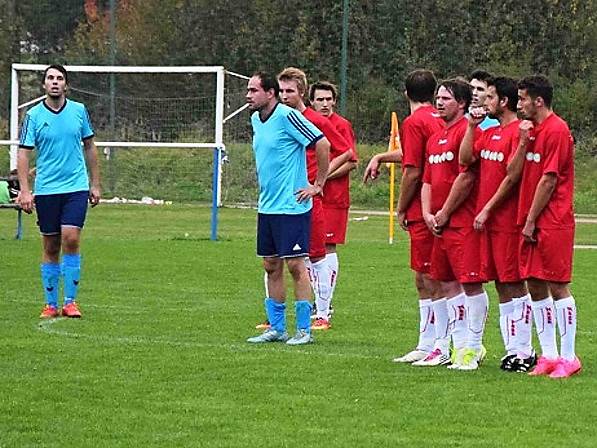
(54, 83)
(447, 107)
(256, 97)
(526, 106)
(492, 103)
(323, 102)
(479, 91)
(289, 93)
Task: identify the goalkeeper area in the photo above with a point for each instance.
(160, 359)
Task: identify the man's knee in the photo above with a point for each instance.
(559, 290)
(71, 238)
(296, 267)
(273, 265)
(537, 288)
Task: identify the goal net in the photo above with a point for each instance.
(161, 132)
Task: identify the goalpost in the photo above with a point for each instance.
(185, 132)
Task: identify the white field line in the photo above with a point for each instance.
(49, 327)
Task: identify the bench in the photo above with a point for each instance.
(13, 206)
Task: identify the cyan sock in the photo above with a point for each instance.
(276, 314)
(71, 270)
(303, 315)
(50, 276)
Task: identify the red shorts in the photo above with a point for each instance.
(336, 220)
(317, 239)
(455, 256)
(421, 245)
(550, 258)
(499, 255)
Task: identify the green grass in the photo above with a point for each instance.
(159, 358)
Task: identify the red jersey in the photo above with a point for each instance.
(336, 192)
(414, 133)
(337, 143)
(442, 168)
(551, 150)
(495, 148)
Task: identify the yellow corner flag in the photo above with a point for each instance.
(394, 145)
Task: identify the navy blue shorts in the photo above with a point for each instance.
(283, 236)
(57, 210)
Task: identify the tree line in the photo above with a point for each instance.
(387, 39)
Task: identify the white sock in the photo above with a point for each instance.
(322, 289)
(333, 265)
(426, 325)
(523, 324)
(457, 323)
(545, 322)
(440, 324)
(507, 328)
(566, 312)
(476, 315)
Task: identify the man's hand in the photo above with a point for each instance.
(304, 194)
(476, 115)
(401, 217)
(25, 201)
(524, 129)
(441, 219)
(372, 170)
(528, 232)
(432, 224)
(480, 220)
(94, 196)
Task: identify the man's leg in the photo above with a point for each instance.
(545, 323)
(302, 292)
(50, 274)
(566, 318)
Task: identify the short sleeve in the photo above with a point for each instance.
(413, 145)
(27, 137)
(338, 143)
(87, 128)
(514, 140)
(427, 169)
(557, 147)
(478, 144)
(301, 129)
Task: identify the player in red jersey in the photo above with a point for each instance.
(336, 193)
(293, 90)
(500, 160)
(448, 202)
(545, 210)
(416, 129)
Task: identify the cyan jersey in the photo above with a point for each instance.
(57, 136)
(488, 123)
(279, 144)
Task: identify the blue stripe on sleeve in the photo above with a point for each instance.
(24, 127)
(296, 122)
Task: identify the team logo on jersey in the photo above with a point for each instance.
(496, 137)
(442, 141)
(439, 158)
(492, 155)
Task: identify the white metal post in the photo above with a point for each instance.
(14, 117)
(219, 137)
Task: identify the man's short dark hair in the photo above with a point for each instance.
(505, 88)
(268, 81)
(481, 75)
(58, 67)
(460, 90)
(537, 86)
(323, 85)
(420, 85)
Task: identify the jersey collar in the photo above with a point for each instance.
(55, 111)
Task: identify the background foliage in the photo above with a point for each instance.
(387, 39)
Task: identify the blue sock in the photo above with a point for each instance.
(71, 269)
(50, 275)
(303, 315)
(276, 314)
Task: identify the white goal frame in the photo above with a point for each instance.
(217, 144)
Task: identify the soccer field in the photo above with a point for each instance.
(160, 358)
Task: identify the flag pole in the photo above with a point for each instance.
(393, 145)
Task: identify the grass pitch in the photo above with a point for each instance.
(160, 359)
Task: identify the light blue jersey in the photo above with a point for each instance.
(488, 123)
(57, 136)
(279, 144)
